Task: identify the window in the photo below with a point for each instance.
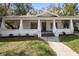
(56, 25)
(12, 24)
(66, 24)
(0, 24)
(51, 25)
(33, 25)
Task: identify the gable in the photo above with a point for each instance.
(47, 14)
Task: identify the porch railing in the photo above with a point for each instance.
(17, 32)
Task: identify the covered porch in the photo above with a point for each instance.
(36, 26)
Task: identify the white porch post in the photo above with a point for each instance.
(39, 28)
(20, 27)
(54, 26)
(21, 24)
(71, 26)
(3, 25)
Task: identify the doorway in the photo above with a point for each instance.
(43, 26)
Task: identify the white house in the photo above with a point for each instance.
(45, 23)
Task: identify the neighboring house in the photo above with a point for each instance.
(42, 24)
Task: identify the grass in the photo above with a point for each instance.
(25, 46)
(72, 41)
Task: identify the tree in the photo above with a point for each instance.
(5, 9)
(70, 9)
(57, 10)
(22, 9)
(35, 12)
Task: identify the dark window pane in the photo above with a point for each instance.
(66, 24)
(51, 25)
(33, 25)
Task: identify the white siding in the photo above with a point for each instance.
(59, 24)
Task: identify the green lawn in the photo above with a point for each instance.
(25, 46)
(71, 41)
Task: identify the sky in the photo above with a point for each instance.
(40, 5)
(45, 5)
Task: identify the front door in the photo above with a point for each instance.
(43, 26)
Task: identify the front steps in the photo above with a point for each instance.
(47, 34)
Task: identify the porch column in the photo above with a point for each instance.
(39, 28)
(3, 25)
(54, 26)
(21, 24)
(71, 25)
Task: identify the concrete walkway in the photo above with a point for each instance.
(59, 48)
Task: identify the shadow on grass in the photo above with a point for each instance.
(21, 53)
(67, 38)
(42, 51)
(19, 38)
(45, 51)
